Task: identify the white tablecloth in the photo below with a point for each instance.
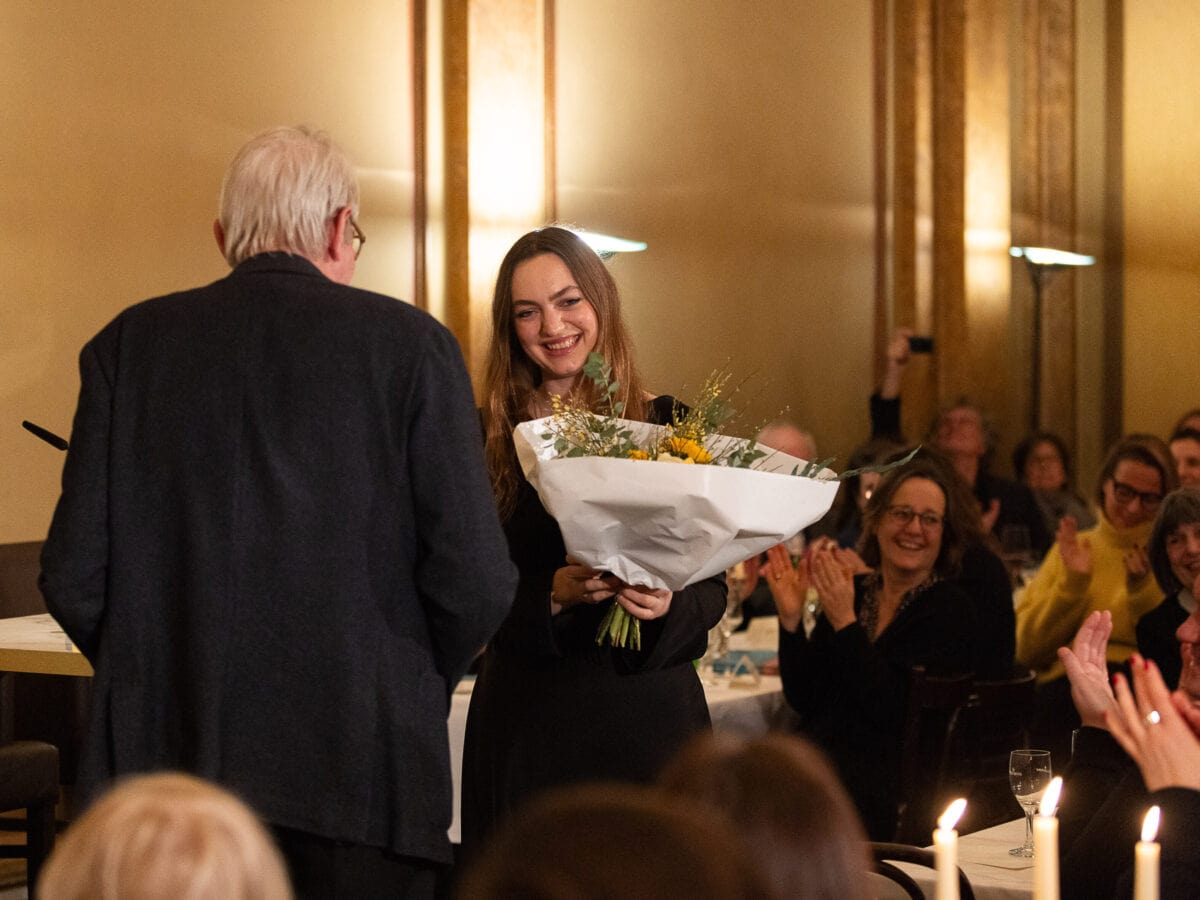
(984, 859)
(741, 707)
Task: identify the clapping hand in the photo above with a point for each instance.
(1076, 552)
(788, 584)
(834, 581)
(990, 515)
(1086, 662)
(846, 557)
(1137, 567)
(1149, 724)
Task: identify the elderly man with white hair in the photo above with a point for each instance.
(276, 541)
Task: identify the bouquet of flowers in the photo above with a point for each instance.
(664, 526)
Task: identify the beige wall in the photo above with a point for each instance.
(1162, 212)
(119, 120)
(735, 139)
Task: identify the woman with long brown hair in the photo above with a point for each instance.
(550, 706)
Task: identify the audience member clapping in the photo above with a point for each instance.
(849, 678)
(1174, 554)
(1106, 567)
(165, 835)
(1136, 749)
(788, 805)
(1042, 463)
(961, 433)
(602, 842)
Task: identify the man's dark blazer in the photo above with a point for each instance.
(278, 547)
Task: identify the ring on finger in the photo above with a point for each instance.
(1152, 717)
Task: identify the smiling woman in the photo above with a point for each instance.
(556, 326)
(550, 707)
(1105, 567)
(1175, 560)
(848, 679)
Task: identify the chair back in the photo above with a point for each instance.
(884, 854)
(931, 724)
(994, 722)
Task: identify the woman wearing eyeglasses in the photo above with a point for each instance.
(849, 678)
(1104, 567)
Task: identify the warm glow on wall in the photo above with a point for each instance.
(506, 143)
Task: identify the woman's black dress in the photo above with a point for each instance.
(851, 692)
(551, 708)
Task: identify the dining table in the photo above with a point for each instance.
(37, 644)
(740, 699)
(984, 858)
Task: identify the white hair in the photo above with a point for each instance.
(280, 192)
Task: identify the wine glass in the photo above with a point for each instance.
(1029, 775)
(733, 616)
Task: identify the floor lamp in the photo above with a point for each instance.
(1042, 262)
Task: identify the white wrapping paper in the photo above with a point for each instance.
(668, 525)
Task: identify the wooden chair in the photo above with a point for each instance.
(994, 722)
(930, 729)
(885, 854)
(29, 781)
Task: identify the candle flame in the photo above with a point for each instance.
(1050, 798)
(948, 819)
(1150, 824)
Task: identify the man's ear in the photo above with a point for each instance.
(338, 246)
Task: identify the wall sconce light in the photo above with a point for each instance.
(1042, 262)
(606, 246)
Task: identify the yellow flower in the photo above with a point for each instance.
(682, 460)
(688, 449)
(638, 454)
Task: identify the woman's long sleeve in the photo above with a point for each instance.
(1052, 607)
(844, 673)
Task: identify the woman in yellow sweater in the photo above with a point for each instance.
(1105, 567)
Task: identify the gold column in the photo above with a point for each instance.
(498, 149)
(1044, 196)
(947, 204)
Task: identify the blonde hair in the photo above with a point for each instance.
(280, 192)
(165, 835)
(511, 377)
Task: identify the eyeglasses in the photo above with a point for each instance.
(1126, 494)
(357, 238)
(902, 515)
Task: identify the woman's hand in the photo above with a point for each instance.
(577, 583)
(849, 559)
(1137, 567)
(1086, 662)
(835, 586)
(987, 521)
(1148, 725)
(788, 584)
(1076, 553)
(643, 602)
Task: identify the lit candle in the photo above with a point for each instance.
(1145, 872)
(1045, 844)
(945, 850)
